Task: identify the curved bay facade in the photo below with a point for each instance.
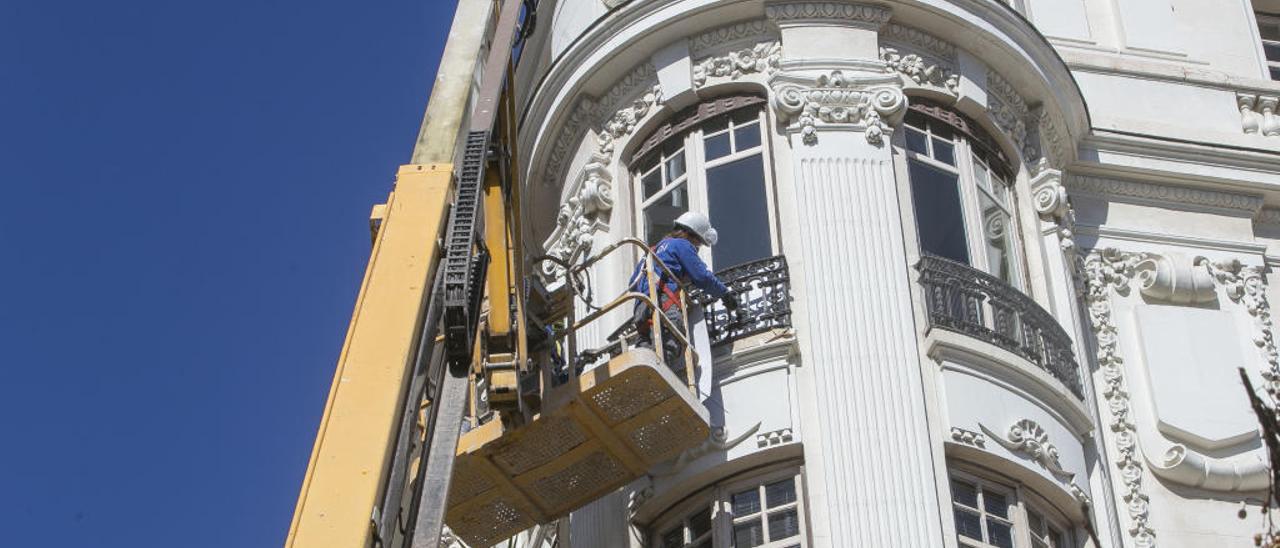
(1002, 260)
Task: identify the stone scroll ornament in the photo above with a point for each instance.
(1027, 437)
(834, 98)
(1110, 271)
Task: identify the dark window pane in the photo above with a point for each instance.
(917, 120)
(1036, 523)
(1269, 29)
(746, 137)
(700, 523)
(660, 216)
(917, 142)
(999, 534)
(968, 525)
(715, 124)
(717, 146)
(744, 115)
(739, 210)
(964, 493)
(938, 214)
(746, 502)
(995, 503)
(746, 535)
(779, 493)
(652, 183)
(784, 524)
(673, 538)
(944, 152)
(1275, 73)
(1272, 50)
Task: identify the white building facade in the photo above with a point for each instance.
(1002, 260)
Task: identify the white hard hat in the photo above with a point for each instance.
(699, 224)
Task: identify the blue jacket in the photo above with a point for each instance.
(682, 259)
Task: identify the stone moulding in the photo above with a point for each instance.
(1110, 271)
(1028, 437)
(761, 58)
(809, 11)
(968, 437)
(1158, 194)
(1268, 216)
(1247, 286)
(903, 34)
(1258, 114)
(833, 98)
(702, 45)
(1009, 111)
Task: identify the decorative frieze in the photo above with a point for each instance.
(1258, 114)
(921, 70)
(1009, 111)
(624, 120)
(1268, 216)
(1163, 195)
(909, 35)
(761, 58)
(968, 437)
(772, 438)
(758, 30)
(1110, 271)
(833, 98)
(801, 12)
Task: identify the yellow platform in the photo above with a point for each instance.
(602, 432)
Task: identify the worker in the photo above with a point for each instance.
(678, 251)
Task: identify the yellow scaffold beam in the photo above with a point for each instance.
(344, 478)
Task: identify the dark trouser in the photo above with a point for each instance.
(672, 348)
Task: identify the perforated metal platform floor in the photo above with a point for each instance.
(603, 431)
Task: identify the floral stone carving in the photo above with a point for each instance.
(1107, 271)
(921, 70)
(833, 98)
(760, 58)
(1028, 437)
(584, 213)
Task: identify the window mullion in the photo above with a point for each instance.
(971, 209)
(696, 182)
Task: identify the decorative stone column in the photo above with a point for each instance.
(870, 466)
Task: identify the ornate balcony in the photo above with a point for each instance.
(972, 302)
(763, 289)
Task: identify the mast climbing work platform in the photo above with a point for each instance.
(449, 334)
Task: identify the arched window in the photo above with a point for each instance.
(961, 190)
(993, 512)
(711, 158)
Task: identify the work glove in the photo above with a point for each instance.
(730, 302)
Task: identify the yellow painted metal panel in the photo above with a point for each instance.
(353, 448)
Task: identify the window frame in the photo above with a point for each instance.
(1271, 65)
(967, 159)
(719, 498)
(692, 145)
(1022, 501)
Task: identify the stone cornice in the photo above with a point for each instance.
(1158, 194)
(804, 12)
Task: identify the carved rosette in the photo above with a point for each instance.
(833, 98)
(761, 58)
(1108, 271)
(1246, 285)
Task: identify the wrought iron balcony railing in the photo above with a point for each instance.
(763, 289)
(969, 301)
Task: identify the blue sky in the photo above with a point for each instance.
(186, 188)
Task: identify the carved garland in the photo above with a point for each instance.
(921, 70)
(760, 58)
(1106, 271)
(1247, 286)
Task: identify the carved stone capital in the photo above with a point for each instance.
(802, 12)
(581, 215)
(863, 104)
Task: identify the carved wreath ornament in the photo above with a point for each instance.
(835, 99)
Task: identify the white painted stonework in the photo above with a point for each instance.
(1091, 382)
